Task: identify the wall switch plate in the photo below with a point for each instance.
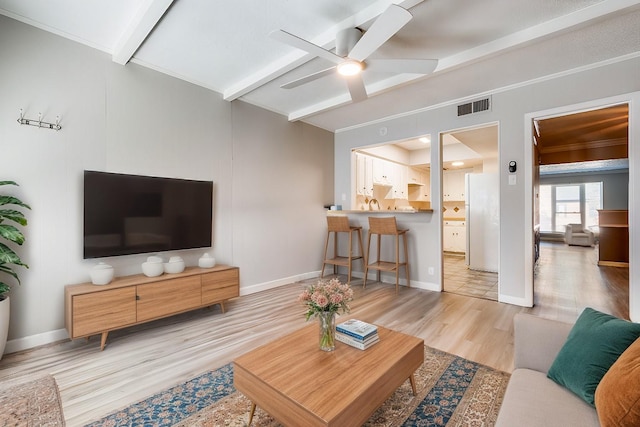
(431, 271)
(512, 180)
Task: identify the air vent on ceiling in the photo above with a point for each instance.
(476, 106)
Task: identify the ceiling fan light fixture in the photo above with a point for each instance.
(349, 68)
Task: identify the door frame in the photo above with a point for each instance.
(633, 100)
(442, 201)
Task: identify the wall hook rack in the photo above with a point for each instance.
(39, 123)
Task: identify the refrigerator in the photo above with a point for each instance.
(482, 205)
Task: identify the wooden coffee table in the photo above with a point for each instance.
(298, 384)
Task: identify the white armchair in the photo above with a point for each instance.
(575, 234)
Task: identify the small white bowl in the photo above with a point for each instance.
(152, 269)
(174, 267)
(101, 274)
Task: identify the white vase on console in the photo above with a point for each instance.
(206, 261)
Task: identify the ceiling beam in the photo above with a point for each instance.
(344, 99)
(325, 40)
(138, 30)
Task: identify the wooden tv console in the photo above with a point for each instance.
(131, 300)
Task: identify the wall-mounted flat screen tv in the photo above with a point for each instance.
(133, 214)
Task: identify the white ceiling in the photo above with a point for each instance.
(482, 46)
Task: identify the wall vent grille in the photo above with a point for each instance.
(476, 106)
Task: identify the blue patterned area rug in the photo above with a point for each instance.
(452, 391)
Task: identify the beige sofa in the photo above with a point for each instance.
(531, 398)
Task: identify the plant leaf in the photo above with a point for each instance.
(8, 183)
(11, 233)
(13, 215)
(7, 270)
(10, 200)
(4, 288)
(7, 256)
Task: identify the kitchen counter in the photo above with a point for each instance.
(424, 261)
(380, 211)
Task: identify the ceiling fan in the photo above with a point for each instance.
(353, 47)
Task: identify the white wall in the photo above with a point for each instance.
(271, 178)
(509, 107)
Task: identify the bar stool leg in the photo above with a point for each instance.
(362, 254)
(406, 260)
(378, 259)
(326, 248)
(335, 250)
(397, 262)
(350, 260)
(366, 262)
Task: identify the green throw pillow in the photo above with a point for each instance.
(593, 345)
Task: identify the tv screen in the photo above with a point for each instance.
(132, 214)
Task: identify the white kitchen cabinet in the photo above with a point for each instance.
(399, 181)
(454, 236)
(382, 172)
(453, 185)
(364, 175)
(419, 185)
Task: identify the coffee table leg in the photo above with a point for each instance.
(412, 380)
(253, 409)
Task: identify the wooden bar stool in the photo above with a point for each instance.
(386, 226)
(340, 224)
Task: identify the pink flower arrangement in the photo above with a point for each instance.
(326, 296)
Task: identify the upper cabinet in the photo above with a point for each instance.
(364, 175)
(383, 172)
(419, 185)
(389, 177)
(453, 185)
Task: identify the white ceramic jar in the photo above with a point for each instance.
(206, 261)
(101, 274)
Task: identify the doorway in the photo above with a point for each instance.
(470, 226)
(589, 143)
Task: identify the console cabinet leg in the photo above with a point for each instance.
(222, 305)
(103, 341)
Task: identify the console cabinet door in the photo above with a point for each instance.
(167, 297)
(102, 311)
(220, 285)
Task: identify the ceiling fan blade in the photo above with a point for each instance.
(309, 78)
(356, 88)
(383, 28)
(417, 66)
(297, 42)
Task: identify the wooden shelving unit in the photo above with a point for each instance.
(613, 238)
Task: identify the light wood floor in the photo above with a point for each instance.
(143, 360)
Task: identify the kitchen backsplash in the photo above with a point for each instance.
(453, 210)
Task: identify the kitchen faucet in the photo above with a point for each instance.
(374, 201)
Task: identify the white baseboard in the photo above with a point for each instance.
(522, 302)
(32, 341)
(258, 287)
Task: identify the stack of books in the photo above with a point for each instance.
(357, 333)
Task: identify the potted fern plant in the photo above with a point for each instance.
(8, 258)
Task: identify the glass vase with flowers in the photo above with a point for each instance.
(323, 300)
